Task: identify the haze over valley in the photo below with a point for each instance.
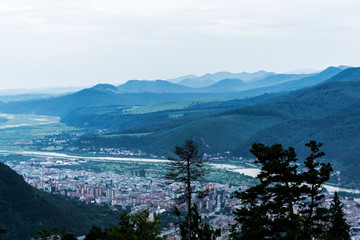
(197, 120)
(132, 128)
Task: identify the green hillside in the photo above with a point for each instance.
(228, 125)
(217, 134)
(117, 119)
(24, 208)
(170, 105)
(328, 113)
(267, 122)
(154, 117)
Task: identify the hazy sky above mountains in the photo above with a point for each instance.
(45, 43)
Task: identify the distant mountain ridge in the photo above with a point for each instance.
(225, 85)
(209, 79)
(299, 83)
(268, 82)
(140, 93)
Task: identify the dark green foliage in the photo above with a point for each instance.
(136, 227)
(2, 231)
(95, 234)
(339, 229)
(313, 178)
(26, 208)
(69, 236)
(286, 202)
(200, 230)
(113, 118)
(54, 233)
(189, 166)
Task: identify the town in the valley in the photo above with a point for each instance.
(138, 190)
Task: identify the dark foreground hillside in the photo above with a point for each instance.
(24, 208)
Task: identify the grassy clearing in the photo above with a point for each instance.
(21, 129)
(125, 134)
(171, 105)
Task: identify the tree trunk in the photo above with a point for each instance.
(189, 197)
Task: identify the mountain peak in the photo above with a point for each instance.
(157, 86)
(104, 87)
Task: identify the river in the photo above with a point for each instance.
(15, 121)
(252, 172)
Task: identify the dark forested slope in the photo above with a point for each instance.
(24, 209)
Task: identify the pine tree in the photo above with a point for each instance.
(189, 166)
(286, 203)
(136, 227)
(314, 177)
(339, 229)
(95, 234)
(201, 230)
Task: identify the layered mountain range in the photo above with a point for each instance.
(135, 92)
(226, 116)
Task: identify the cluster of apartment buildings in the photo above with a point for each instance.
(55, 175)
(135, 192)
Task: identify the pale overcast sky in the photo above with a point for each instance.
(45, 43)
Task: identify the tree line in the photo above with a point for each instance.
(286, 204)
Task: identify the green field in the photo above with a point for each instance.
(125, 134)
(21, 129)
(231, 129)
(158, 170)
(171, 105)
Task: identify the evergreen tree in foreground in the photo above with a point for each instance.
(200, 231)
(286, 204)
(135, 227)
(54, 233)
(95, 234)
(339, 229)
(189, 166)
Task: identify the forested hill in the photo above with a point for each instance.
(270, 122)
(24, 209)
(328, 113)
